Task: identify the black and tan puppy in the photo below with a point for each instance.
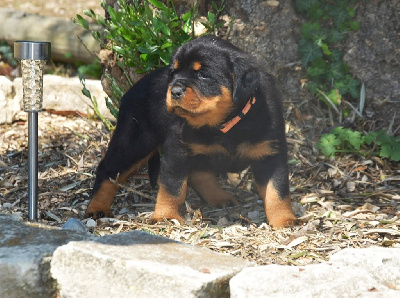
(212, 111)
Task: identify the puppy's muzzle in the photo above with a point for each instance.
(178, 90)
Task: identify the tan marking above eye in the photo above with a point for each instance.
(196, 65)
(176, 64)
(206, 149)
(258, 150)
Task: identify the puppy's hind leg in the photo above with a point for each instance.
(206, 186)
(125, 155)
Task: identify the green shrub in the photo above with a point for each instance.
(330, 23)
(144, 34)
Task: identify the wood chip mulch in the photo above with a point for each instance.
(347, 201)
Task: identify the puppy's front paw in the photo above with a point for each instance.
(159, 216)
(96, 214)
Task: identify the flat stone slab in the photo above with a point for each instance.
(369, 272)
(137, 264)
(25, 254)
(38, 261)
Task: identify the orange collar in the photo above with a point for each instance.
(231, 123)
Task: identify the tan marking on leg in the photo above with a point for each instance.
(279, 210)
(176, 64)
(206, 185)
(258, 150)
(104, 197)
(135, 168)
(206, 149)
(167, 205)
(101, 202)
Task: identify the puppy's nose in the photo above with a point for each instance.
(177, 91)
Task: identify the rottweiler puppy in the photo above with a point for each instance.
(211, 112)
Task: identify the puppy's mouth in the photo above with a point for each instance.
(180, 111)
(200, 110)
(189, 103)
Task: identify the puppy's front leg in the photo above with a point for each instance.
(272, 183)
(172, 184)
(168, 202)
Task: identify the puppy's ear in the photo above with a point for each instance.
(246, 79)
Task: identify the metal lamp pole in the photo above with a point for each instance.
(33, 56)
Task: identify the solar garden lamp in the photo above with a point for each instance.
(33, 56)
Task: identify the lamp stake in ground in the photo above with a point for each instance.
(33, 56)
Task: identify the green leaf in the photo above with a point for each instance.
(305, 6)
(147, 49)
(334, 96)
(119, 50)
(351, 11)
(111, 12)
(348, 86)
(335, 71)
(354, 25)
(211, 18)
(334, 36)
(369, 138)
(339, 16)
(317, 68)
(310, 30)
(336, 55)
(309, 52)
(159, 5)
(390, 146)
(325, 49)
(382, 137)
(166, 45)
(85, 91)
(187, 16)
(328, 143)
(111, 107)
(84, 23)
(353, 137)
(386, 150)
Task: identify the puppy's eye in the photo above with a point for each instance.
(203, 75)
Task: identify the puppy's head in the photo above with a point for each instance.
(209, 79)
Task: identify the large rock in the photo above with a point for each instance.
(9, 106)
(137, 264)
(25, 254)
(371, 272)
(65, 94)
